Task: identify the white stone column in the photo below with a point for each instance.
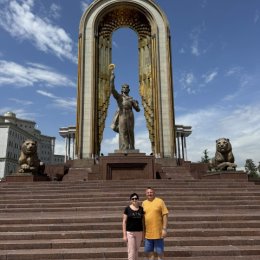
(73, 146)
(66, 149)
(69, 146)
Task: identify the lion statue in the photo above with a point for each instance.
(28, 160)
(224, 158)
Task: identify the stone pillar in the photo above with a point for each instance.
(69, 146)
(73, 146)
(66, 149)
(68, 133)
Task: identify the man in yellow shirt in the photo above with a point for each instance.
(156, 220)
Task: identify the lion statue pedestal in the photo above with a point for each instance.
(29, 161)
(30, 166)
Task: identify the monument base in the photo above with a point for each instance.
(127, 166)
(26, 178)
(135, 151)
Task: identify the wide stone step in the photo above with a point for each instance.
(39, 208)
(228, 250)
(117, 226)
(124, 191)
(89, 234)
(118, 242)
(108, 185)
(92, 253)
(123, 198)
(118, 204)
(86, 198)
(136, 183)
(252, 257)
(173, 198)
(189, 258)
(108, 218)
(241, 257)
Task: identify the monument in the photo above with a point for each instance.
(97, 25)
(96, 84)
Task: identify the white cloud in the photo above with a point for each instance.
(189, 78)
(234, 71)
(17, 18)
(195, 47)
(85, 5)
(55, 10)
(230, 97)
(195, 42)
(46, 94)
(195, 38)
(187, 81)
(21, 101)
(182, 51)
(240, 124)
(12, 73)
(61, 102)
(194, 83)
(68, 103)
(245, 82)
(115, 44)
(109, 145)
(257, 15)
(208, 77)
(60, 146)
(204, 3)
(142, 142)
(140, 121)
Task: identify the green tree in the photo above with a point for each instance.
(251, 168)
(205, 158)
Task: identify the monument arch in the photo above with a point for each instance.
(97, 24)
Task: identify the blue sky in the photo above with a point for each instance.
(216, 70)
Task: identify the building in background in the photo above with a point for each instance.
(14, 132)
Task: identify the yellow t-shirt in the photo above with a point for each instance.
(153, 216)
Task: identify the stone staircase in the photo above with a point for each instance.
(209, 219)
(176, 173)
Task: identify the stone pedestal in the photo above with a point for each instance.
(26, 178)
(236, 175)
(127, 166)
(79, 170)
(136, 151)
